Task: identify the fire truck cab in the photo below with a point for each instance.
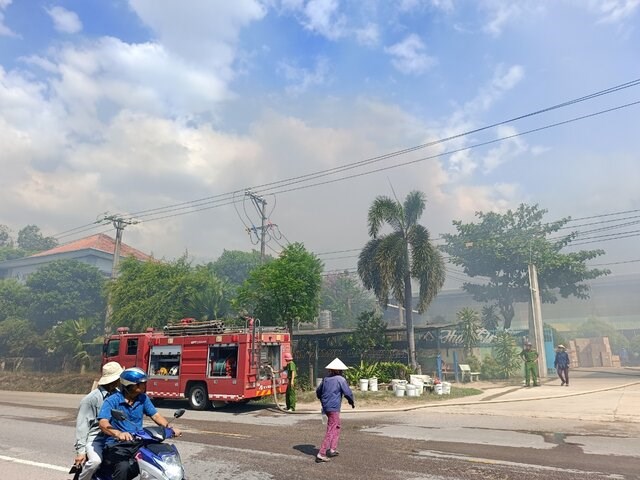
(205, 362)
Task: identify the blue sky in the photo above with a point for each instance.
(126, 106)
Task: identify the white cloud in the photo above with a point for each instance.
(368, 35)
(411, 5)
(409, 56)
(503, 80)
(197, 31)
(614, 11)
(503, 13)
(299, 80)
(320, 16)
(4, 30)
(505, 150)
(64, 20)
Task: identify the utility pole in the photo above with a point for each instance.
(535, 320)
(261, 205)
(119, 224)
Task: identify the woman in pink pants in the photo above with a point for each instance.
(330, 393)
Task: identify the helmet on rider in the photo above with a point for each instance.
(132, 376)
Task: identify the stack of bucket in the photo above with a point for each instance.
(369, 384)
(399, 387)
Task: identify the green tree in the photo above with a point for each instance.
(5, 236)
(345, 297)
(65, 290)
(469, 325)
(505, 352)
(211, 299)
(501, 246)
(14, 299)
(152, 294)
(284, 290)
(234, 266)
(595, 328)
(369, 335)
(19, 339)
(387, 263)
(490, 319)
(71, 339)
(31, 239)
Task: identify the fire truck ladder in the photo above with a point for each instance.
(210, 327)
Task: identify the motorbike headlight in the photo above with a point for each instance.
(172, 467)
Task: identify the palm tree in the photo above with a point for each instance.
(469, 324)
(388, 262)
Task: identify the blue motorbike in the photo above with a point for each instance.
(156, 460)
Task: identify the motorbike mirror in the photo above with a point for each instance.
(118, 415)
(179, 413)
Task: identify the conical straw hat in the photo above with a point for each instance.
(337, 364)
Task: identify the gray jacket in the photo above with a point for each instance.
(87, 428)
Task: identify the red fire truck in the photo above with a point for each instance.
(205, 362)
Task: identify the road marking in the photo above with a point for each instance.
(506, 463)
(222, 434)
(35, 464)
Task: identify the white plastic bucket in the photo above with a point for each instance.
(446, 388)
(411, 391)
(399, 391)
(419, 387)
(364, 384)
(373, 384)
(438, 389)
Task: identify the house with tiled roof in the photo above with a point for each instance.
(96, 250)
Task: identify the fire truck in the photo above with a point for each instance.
(207, 363)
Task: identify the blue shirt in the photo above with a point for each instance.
(135, 413)
(562, 360)
(330, 393)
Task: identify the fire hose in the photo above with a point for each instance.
(275, 390)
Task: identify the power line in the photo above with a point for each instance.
(223, 199)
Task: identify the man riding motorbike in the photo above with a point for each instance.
(134, 403)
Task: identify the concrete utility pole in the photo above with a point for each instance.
(535, 321)
(261, 205)
(119, 224)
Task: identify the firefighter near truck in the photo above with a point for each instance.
(206, 363)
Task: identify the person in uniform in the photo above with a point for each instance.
(290, 395)
(530, 358)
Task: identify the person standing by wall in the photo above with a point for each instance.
(89, 444)
(290, 395)
(561, 364)
(530, 358)
(330, 393)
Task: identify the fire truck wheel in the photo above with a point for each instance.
(198, 398)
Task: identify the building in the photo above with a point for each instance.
(96, 250)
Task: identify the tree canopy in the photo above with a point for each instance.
(234, 266)
(387, 263)
(65, 290)
(345, 297)
(152, 294)
(284, 290)
(499, 247)
(31, 239)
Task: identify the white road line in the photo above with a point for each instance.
(35, 464)
(528, 466)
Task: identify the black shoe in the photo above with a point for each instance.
(332, 453)
(562, 384)
(567, 385)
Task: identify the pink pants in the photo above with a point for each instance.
(332, 436)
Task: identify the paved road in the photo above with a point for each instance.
(506, 433)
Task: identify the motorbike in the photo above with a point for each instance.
(156, 460)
